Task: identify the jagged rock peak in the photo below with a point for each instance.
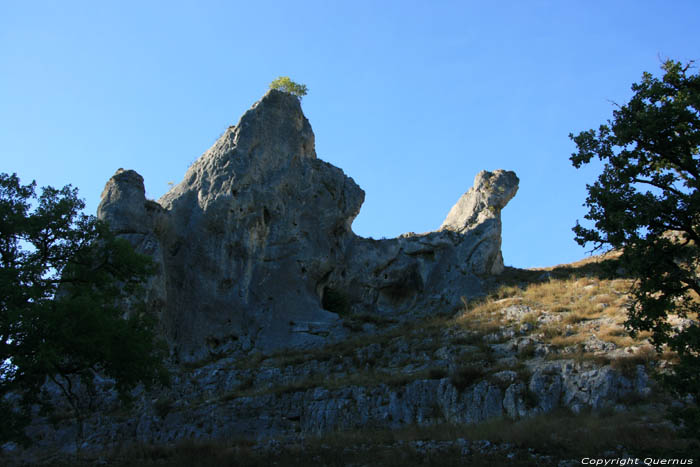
(490, 193)
(278, 118)
(255, 249)
(245, 241)
(123, 203)
(269, 136)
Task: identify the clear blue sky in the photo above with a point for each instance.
(410, 98)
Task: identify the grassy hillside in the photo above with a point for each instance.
(529, 318)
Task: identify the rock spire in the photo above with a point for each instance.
(255, 248)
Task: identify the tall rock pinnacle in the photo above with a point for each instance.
(255, 247)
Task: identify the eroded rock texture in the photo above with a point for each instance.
(255, 247)
(255, 252)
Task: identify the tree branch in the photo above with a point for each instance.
(658, 185)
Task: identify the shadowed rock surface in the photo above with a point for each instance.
(255, 247)
(284, 323)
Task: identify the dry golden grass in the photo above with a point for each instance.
(592, 263)
(563, 341)
(570, 303)
(482, 316)
(578, 436)
(575, 317)
(561, 435)
(587, 296)
(669, 356)
(616, 334)
(531, 318)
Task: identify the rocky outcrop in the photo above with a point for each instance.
(131, 216)
(284, 323)
(411, 380)
(421, 271)
(484, 201)
(255, 248)
(478, 212)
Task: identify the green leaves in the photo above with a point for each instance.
(68, 300)
(284, 83)
(646, 203)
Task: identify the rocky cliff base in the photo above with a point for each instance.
(548, 349)
(285, 325)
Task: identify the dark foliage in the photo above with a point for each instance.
(64, 283)
(646, 204)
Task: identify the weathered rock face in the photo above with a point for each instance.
(255, 247)
(133, 217)
(490, 193)
(479, 211)
(385, 384)
(417, 271)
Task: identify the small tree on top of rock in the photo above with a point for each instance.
(285, 84)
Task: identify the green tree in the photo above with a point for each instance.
(283, 83)
(646, 203)
(65, 280)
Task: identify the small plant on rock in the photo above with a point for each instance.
(285, 84)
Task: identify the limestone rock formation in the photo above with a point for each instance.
(479, 211)
(490, 193)
(255, 247)
(255, 253)
(395, 381)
